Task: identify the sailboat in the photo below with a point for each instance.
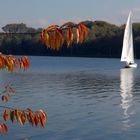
(127, 50)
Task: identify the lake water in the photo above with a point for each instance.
(85, 99)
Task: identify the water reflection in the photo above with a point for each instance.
(126, 86)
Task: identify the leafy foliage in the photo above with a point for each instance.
(21, 116)
(54, 36)
(17, 28)
(10, 62)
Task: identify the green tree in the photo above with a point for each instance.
(18, 28)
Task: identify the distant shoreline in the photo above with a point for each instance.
(104, 41)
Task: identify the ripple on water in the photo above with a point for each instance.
(82, 101)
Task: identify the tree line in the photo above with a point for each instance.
(104, 40)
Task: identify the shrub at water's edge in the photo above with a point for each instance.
(104, 40)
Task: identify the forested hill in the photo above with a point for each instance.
(104, 40)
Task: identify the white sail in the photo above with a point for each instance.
(127, 51)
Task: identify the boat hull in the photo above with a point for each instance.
(133, 65)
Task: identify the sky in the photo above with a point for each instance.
(43, 13)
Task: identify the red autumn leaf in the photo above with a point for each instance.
(3, 128)
(42, 117)
(52, 40)
(1, 61)
(42, 122)
(69, 37)
(20, 119)
(23, 118)
(17, 114)
(57, 40)
(52, 27)
(46, 39)
(61, 36)
(59, 31)
(83, 32)
(67, 24)
(36, 119)
(31, 117)
(43, 114)
(20, 64)
(12, 115)
(5, 115)
(26, 62)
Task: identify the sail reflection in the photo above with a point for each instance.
(126, 86)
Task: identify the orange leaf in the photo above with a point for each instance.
(5, 115)
(83, 32)
(20, 118)
(23, 118)
(36, 120)
(12, 115)
(42, 121)
(1, 61)
(19, 64)
(67, 24)
(69, 37)
(26, 62)
(3, 128)
(60, 32)
(77, 36)
(43, 114)
(52, 27)
(52, 40)
(31, 117)
(46, 39)
(17, 114)
(57, 40)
